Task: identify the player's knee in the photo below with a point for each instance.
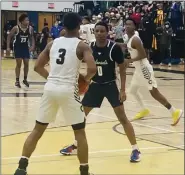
(39, 129)
(26, 66)
(18, 66)
(79, 126)
(120, 113)
(80, 136)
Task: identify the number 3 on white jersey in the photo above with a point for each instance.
(100, 72)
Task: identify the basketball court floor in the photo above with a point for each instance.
(162, 145)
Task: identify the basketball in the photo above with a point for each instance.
(82, 84)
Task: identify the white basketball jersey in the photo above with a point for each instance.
(134, 52)
(89, 30)
(81, 32)
(64, 63)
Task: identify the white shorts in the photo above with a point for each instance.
(60, 97)
(144, 76)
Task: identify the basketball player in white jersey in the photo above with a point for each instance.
(82, 34)
(61, 90)
(88, 30)
(125, 36)
(144, 75)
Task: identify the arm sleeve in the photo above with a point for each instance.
(117, 54)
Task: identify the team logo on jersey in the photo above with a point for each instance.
(101, 62)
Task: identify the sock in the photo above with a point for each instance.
(25, 157)
(135, 147)
(172, 110)
(17, 79)
(75, 143)
(84, 164)
(25, 77)
(84, 169)
(23, 163)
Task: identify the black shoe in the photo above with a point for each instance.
(87, 173)
(20, 172)
(26, 83)
(84, 170)
(17, 84)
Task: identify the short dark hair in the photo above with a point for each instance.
(131, 19)
(87, 18)
(23, 17)
(72, 20)
(101, 23)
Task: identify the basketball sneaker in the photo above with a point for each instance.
(135, 156)
(17, 84)
(20, 172)
(142, 114)
(26, 84)
(176, 115)
(84, 170)
(69, 150)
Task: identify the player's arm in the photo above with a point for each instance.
(10, 36)
(122, 45)
(118, 57)
(42, 60)
(138, 45)
(84, 52)
(32, 39)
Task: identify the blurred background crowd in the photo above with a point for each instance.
(160, 24)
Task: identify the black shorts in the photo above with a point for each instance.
(96, 93)
(21, 53)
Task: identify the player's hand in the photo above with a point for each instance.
(122, 96)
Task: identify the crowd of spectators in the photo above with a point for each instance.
(157, 23)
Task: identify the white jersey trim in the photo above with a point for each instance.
(110, 54)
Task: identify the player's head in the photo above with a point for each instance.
(101, 31)
(72, 22)
(86, 20)
(130, 25)
(23, 19)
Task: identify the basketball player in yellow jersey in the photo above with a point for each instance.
(144, 75)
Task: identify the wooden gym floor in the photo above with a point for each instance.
(162, 145)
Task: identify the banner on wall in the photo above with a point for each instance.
(39, 6)
(51, 5)
(15, 4)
